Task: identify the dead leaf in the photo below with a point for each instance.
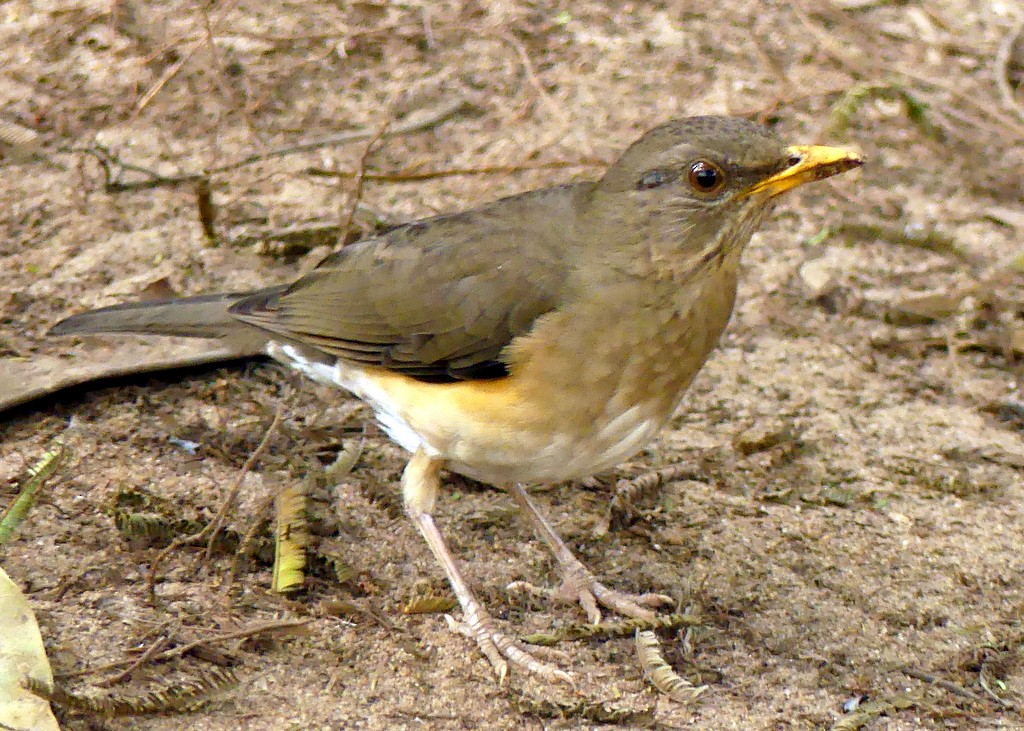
(26, 379)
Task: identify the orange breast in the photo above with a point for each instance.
(510, 430)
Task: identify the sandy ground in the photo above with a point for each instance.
(854, 522)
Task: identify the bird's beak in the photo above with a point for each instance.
(807, 163)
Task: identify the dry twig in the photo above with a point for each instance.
(260, 517)
(356, 194)
(209, 533)
(218, 520)
(416, 122)
(153, 649)
(1009, 705)
(238, 634)
(412, 176)
(534, 80)
(169, 73)
(944, 684)
(181, 650)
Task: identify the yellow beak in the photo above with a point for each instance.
(807, 164)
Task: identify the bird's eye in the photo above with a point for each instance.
(653, 179)
(706, 177)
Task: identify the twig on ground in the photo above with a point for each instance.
(847, 56)
(412, 176)
(415, 122)
(218, 520)
(262, 510)
(169, 73)
(153, 649)
(238, 634)
(356, 193)
(534, 80)
(991, 693)
(944, 684)
(213, 527)
(565, 123)
(180, 650)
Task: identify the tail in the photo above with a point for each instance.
(205, 316)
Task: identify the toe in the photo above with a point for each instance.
(655, 600)
(585, 598)
(500, 650)
(484, 642)
(528, 662)
(627, 605)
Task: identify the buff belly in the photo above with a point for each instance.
(489, 430)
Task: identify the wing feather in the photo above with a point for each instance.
(438, 299)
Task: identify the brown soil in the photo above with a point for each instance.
(855, 522)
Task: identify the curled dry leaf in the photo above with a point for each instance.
(292, 540)
(660, 673)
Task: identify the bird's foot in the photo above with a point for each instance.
(499, 649)
(580, 586)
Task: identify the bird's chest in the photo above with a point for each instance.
(629, 351)
(596, 387)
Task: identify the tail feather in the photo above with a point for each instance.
(204, 316)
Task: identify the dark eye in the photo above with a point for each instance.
(653, 179)
(706, 177)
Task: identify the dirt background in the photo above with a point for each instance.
(855, 514)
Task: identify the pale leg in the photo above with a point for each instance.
(420, 483)
(578, 583)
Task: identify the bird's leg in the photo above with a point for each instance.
(420, 483)
(578, 583)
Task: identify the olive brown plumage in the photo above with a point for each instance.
(541, 337)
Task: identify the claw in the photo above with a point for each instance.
(486, 645)
(499, 649)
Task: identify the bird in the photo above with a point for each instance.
(538, 338)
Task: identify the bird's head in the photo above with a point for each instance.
(701, 185)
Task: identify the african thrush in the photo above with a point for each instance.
(539, 338)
